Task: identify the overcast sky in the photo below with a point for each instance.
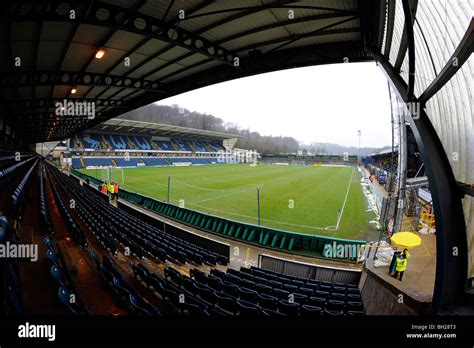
(327, 103)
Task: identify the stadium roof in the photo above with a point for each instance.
(215, 41)
(156, 129)
(385, 152)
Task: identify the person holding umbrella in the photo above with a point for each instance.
(401, 264)
(405, 240)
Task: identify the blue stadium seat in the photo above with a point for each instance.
(248, 309)
(335, 305)
(58, 275)
(329, 312)
(52, 256)
(70, 300)
(272, 313)
(281, 294)
(289, 308)
(354, 306)
(321, 293)
(248, 295)
(268, 302)
(310, 311)
(317, 301)
(140, 307)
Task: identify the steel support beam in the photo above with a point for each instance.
(409, 10)
(389, 29)
(70, 78)
(459, 57)
(410, 42)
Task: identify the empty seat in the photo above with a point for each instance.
(332, 312)
(48, 241)
(355, 313)
(353, 297)
(248, 295)
(198, 275)
(248, 309)
(306, 291)
(335, 305)
(226, 302)
(339, 285)
(337, 296)
(290, 288)
(267, 301)
(272, 313)
(52, 256)
(122, 290)
(70, 300)
(58, 275)
(321, 293)
(195, 311)
(263, 289)
(140, 307)
(310, 311)
(289, 308)
(324, 287)
(354, 306)
(298, 283)
(317, 301)
(281, 294)
(338, 289)
(218, 273)
(275, 284)
(247, 284)
(208, 296)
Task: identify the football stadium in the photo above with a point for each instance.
(115, 205)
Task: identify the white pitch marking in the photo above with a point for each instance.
(345, 200)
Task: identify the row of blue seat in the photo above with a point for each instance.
(122, 289)
(124, 142)
(72, 227)
(209, 298)
(8, 174)
(44, 210)
(111, 224)
(300, 281)
(68, 294)
(297, 293)
(182, 300)
(273, 298)
(133, 161)
(20, 191)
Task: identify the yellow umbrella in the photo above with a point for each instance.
(406, 239)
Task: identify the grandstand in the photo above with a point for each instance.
(123, 143)
(67, 249)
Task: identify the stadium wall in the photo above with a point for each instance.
(280, 240)
(382, 298)
(310, 271)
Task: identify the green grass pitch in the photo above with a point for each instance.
(294, 198)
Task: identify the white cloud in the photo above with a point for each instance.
(326, 103)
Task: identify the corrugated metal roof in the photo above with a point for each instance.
(163, 49)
